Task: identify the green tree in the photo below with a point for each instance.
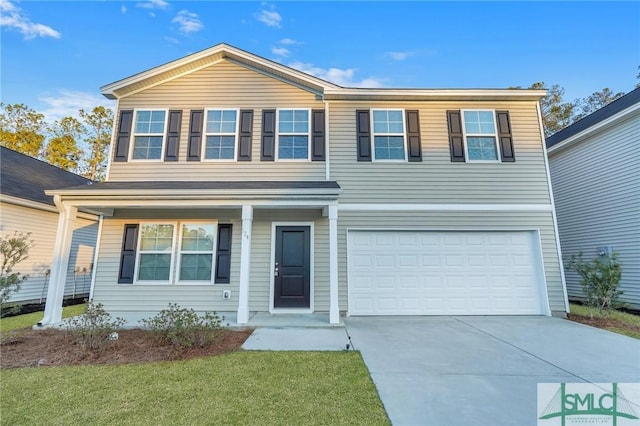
(600, 279)
(98, 124)
(21, 129)
(596, 101)
(556, 113)
(13, 250)
(62, 149)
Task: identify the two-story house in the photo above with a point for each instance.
(237, 184)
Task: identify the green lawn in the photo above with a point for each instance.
(28, 320)
(625, 323)
(237, 388)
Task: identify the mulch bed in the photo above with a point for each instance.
(31, 348)
(605, 323)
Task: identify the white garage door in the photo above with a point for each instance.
(445, 273)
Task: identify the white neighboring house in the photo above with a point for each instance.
(595, 172)
(24, 207)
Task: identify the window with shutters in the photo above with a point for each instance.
(148, 134)
(388, 134)
(293, 134)
(221, 130)
(155, 253)
(480, 136)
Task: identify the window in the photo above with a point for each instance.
(148, 134)
(480, 135)
(221, 127)
(388, 135)
(155, 252)
(196, 252)
(293, 134)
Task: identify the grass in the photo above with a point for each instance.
(28, 320)
(238, 388)
(616, 321)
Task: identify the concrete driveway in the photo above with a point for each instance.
(483, 370)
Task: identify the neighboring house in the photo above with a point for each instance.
(25, 208)
(595, 170)
(240, 185)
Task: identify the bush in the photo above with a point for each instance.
(13, 249)
(600, 280)
(184, 327)
(94, 329)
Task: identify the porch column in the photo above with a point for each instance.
(245, 263)
(334, 309)
(61, 252)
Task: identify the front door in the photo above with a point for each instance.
(292, 267)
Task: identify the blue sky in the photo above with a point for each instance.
(56, 54)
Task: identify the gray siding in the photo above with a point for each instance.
(596, 186)
(441, 221)
(436, 179)
(43, 227)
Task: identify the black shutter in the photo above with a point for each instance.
(195, 135)
(413, 136)
(128, 255)
(267, 151)
(317, 135)
(456, 140)
(504, 136)
(246, 134)
(363, 134)
(223, 254)
(124, 135)
(173, 136)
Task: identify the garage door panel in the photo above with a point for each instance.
(443, 273)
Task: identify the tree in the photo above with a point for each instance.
(21, 129)
(596, 101)
(62, 149)
(13, 249)
(556, 113)
(97, 124)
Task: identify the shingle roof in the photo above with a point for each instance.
(596, 117)
(25, 177)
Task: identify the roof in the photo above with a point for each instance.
(630, 99)
(313, 84)
(25, 177)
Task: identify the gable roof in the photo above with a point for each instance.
(310, 83)
(608, 111)
(25, 177)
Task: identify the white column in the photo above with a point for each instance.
(245, 263)
(58, 277)
(334, 308)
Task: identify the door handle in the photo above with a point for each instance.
(276, 270)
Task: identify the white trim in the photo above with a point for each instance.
(494, 135)
(363, 207)
(132, 138)
(96, 257)
(245, 265)
(272, 309)
(327, 166)
(136, 270)
(114, 137)
(179, 252)
(334, 302)
(553, 209)
(594, 128)
(219, 201)
(403, 134)
(204, 158)
(433, 94)
(540, 270)
(23, 202)
(278, 134)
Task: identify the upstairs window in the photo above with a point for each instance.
(221, 128)
(388, 135)
(480, 136)
(148, 134)
(293, 134)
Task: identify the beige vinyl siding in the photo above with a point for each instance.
(436, 179)
(596, 186)
(222, 85)
(458, 221)
(43, 226)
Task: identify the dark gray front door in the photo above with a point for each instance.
(292, 267)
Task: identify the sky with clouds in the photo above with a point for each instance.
(55, 55)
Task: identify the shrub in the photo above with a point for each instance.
(600, 279)
(184, 327)
(93, 330)
(13, 249)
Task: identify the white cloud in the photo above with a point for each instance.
(172, 40)
(289, 41)
(11, 16)
(123, 9)
(270, 18)
(68, 102)
(341, 77)
(189, 22)
(398, 56)
(153, 4)
(280, 51)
